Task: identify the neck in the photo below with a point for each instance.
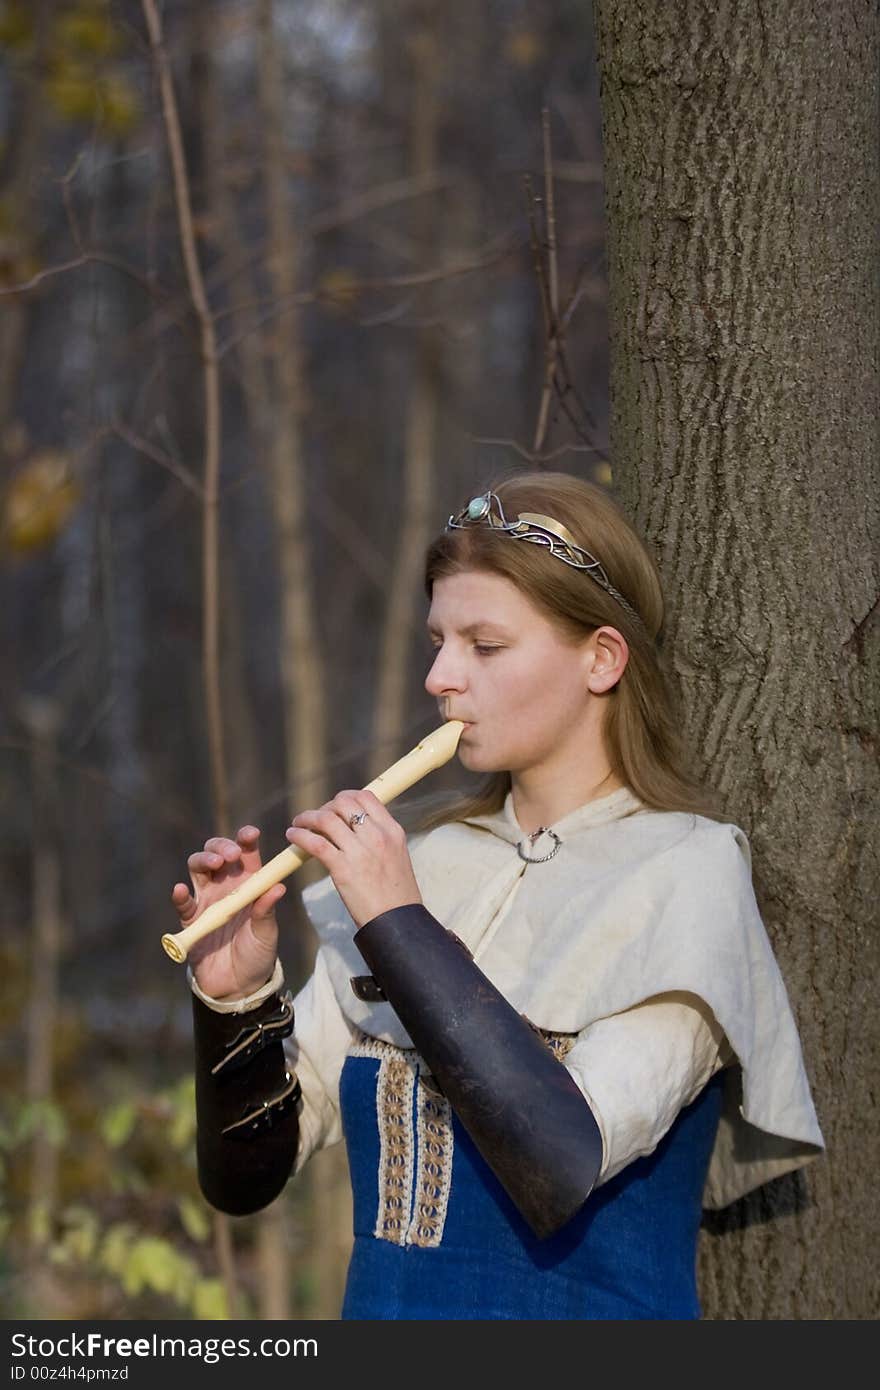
(542, 800)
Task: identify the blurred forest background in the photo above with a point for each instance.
(274, 287)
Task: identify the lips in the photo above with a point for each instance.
(468, 724)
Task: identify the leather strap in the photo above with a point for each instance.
(251, 1040)
(263, 1116)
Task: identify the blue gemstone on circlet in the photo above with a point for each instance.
(477, 508)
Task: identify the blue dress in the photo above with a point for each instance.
(436, 1236)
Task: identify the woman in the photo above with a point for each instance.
(573, 1033)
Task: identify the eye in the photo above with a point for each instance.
(481, 648)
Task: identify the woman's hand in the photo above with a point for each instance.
(236, 959)
(368, 862)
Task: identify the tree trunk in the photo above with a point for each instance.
(305, 694)
(416, 519)
(272, 1264)
(741, 145)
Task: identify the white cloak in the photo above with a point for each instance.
(636, 903)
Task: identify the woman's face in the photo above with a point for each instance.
(505, 669)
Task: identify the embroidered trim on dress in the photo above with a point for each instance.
(434, 1175)
(560, 1044)
(365, 1046)
(394, 1097)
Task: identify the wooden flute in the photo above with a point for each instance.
(434, 750)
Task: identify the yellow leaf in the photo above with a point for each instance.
(17, 267)
(159, 1261)
(119, 109)
(90, 32)
(183, 1123)
(81, 1232)
(43, 1117)
(209, 1299)
(115, 1247)
(118, 1123)
(38, 1222)
(194, 1218)
(72, 90)
(39, 501)
(16, 26)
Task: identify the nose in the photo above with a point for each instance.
(443, 675)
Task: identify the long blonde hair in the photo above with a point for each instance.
(642, 724)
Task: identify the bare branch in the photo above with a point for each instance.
(557, 378)
(151, 451)
(23, 286)
(495, 250)
(211, 377)
(532, 457)
(67, 196)
(154, 805)
(281, 303)
(552, 293)
(550, 217)
(398, 191)
(537, 259)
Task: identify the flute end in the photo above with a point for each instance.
(173, 948)
(444, 741)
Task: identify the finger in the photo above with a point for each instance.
(248, 838)
(264, 906)
(203, 865)
(228, 849)
(343, 806)
(318, 846)
(226, 855)
(326, 822)
(378, 811)
(183, 901)
(347, 806)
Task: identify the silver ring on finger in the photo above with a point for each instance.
(356, 819)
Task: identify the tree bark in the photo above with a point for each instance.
(305, 694)
(213, 424)
(741, 146)
(272, 1264)
(405, 589)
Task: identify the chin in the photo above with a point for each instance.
(477, 760)
(469, 757)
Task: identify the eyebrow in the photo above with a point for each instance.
(482, 625)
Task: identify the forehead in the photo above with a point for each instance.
(477, 596)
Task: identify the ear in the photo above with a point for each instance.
(609, 654)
